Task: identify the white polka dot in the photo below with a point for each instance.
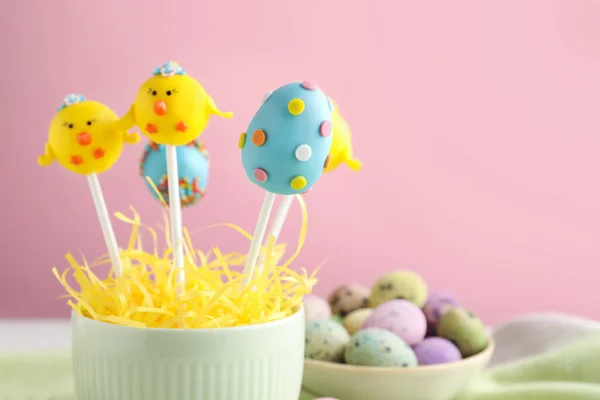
(303, 152)
(264, 100)
(331, 106)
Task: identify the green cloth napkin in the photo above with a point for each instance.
(571, 372)
(568, 373)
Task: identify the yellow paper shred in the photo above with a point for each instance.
(145, 296)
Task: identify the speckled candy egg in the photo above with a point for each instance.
(464, 329)
(436, 350)
(326, 340)
(286, 146)
(316, 307)
(192, 168)
(379, 348)
(348, 298)
(405, 285)
(400, 317)
(355, 320)
(436, 304)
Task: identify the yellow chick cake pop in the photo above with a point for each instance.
(82, 139)
(171, 107)
(341, 145)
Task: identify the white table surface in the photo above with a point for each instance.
(31, 335)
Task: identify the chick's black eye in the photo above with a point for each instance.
(70, 126)
(89, 123)
(168, 92)
(154, 93)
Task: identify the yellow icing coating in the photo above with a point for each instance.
(341, 146)
(145, 296)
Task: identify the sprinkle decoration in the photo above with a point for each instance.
(190, 192)
(71, 99)
(169, 69)
(145, 297)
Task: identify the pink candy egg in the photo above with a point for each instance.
(316, 307)
(400, 317)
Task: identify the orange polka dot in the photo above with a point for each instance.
(327, 160)
(259, 137)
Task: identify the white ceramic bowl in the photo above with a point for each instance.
(434, 382)
(256, 362)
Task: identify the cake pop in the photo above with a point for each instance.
(84, 139)
(81, 139)
(171, 107)
(290, 139)
(192, 168)
(287, 143)
(341, 146)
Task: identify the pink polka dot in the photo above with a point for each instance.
(309, 85)
(325, 129)
(260, 175)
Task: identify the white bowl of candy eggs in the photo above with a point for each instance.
(392, 342)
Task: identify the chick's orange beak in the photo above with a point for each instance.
(160, 107)
(83, 138)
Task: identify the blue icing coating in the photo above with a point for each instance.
(285, 132)
(192, 168)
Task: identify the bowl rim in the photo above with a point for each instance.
(299, 313)
(486, 353)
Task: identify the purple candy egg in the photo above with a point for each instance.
(436, 304)
(436, 350)
(400, 317)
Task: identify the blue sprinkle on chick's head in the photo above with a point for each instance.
(286, 146)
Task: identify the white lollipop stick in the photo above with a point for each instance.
(105, 224)
(257, 238)
(276, 225)
(175, 216)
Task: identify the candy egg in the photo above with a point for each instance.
(379, 348)
(355, 320)
(437, 304)
(400, 317)
(337, 318)
(464, 329)
(348, 298)
(316, 307)
(436, 350)
(286, 146)
(406, 285)
(192, 167)
(325, 340)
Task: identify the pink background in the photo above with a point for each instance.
(477, 122)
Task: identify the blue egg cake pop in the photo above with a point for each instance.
(286, 146)
(192, 168)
